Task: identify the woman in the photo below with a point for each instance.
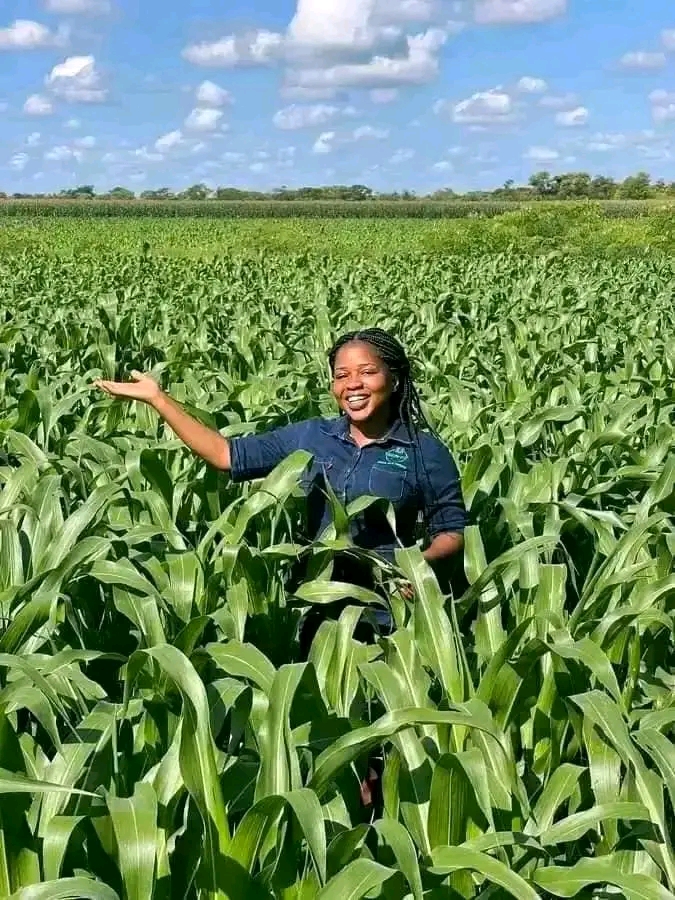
(380, 445)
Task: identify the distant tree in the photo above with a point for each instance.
(603, 188)
(543, 184)
(573, 185)
(120, 193)
(81, 192)
(636, 187)
(164, 193)
(196, 192)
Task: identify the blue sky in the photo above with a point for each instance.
(418, 94)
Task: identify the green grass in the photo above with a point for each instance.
(579, 230)
(160, 736)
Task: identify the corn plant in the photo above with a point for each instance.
(160, 735)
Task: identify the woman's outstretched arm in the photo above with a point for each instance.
(201, 439)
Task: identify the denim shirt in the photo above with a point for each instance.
(415, 472)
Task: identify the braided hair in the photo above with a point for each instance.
(405, 399)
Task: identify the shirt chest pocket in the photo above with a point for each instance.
(388, 482)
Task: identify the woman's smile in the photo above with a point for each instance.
(362, 383)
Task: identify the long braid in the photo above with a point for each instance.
(406, 403)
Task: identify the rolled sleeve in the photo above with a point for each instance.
(444, 509)
(256, 455)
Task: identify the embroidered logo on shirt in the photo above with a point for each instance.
(397, 456)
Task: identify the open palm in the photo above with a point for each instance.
(143, 387)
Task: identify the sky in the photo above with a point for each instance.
(395, 94)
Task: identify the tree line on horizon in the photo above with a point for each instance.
(541, 186)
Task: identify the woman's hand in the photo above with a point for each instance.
(143, 388)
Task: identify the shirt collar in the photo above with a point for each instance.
(339, 427)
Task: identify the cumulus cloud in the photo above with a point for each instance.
(295, 116)
(573, 117)
(528, 85)
(662, 105)
(63, 153)
(541, 154)
(331, 45)
(77, 80)
(324, 143)
(369, 133)
(146, 155)
(668, 38)
(33, 139)
(210, 95)
(169, 141)
(25, 34)
(506, 12)
(38, 105)
(342, 25)
(78, 7)
(405, 154)
(483, 108)
(253, 49)
(641, 59)
(203, 119)
(443, 165)
(19, 161)
(86, 143)
(559, 101)
(419, 65)
(74, 124)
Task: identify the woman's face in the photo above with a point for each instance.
(362, 383)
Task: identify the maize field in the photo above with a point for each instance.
(160, 736)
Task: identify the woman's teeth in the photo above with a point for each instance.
(357, 401)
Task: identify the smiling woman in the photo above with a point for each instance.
(381, 445)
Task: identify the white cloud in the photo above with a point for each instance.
(77, 80)
(418, 66)
(368, 132)
(324, 143)
(641, 59)
(169, 141)
(203, 119)
(528, 85)
(483, 108)
(384, 95)
(33, 139)
(77, 7)
(74, 124)
(401, 156)
(442, 165)
(663, 105)
(87, 142)
(62, 153)
(573, 118)
(253, 49)
(294, 117)
(541, 154)
(257, 167)
(668, 38)
(19, 161)
(210, 95)
(146, 155)
(498, 12)
(24, 34)
(233, 156)
(338, 25)
(559, 101)
(38, 105)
